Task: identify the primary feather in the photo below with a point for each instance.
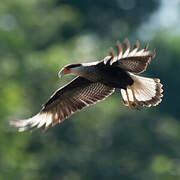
(132, 61)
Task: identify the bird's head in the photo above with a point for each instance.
(70, 69)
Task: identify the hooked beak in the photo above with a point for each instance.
(63, 72)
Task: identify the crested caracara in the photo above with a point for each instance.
(97, 80)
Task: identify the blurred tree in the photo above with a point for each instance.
(106, 141)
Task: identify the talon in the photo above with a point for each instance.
(128, 101)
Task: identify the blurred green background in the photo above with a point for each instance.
(107, 140)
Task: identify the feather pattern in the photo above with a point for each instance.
(148, 91)
(78, 94)
(133, 61)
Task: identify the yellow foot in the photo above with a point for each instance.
(134, 97)
(128, 101)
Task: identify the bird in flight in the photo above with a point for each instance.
(97, 80)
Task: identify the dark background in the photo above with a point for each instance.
(107, 140)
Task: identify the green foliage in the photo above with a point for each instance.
(105, 141)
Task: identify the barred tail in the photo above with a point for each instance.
(147, 91)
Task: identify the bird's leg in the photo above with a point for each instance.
(128, 101)
(134, 97)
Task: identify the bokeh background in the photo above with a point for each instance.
(105, 141)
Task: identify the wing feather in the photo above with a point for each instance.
(73, 97)
(133, 61)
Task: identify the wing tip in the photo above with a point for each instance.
(21, 125)
(145, 54)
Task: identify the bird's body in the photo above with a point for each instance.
(97, 80)
(110, 75)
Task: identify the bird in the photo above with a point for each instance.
(97, 80)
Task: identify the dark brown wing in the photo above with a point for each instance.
(136, 64)
(133, 61)
(76, 95)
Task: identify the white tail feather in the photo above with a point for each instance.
(148, 91)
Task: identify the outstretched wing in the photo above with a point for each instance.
(133, 61)
(76, 95)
